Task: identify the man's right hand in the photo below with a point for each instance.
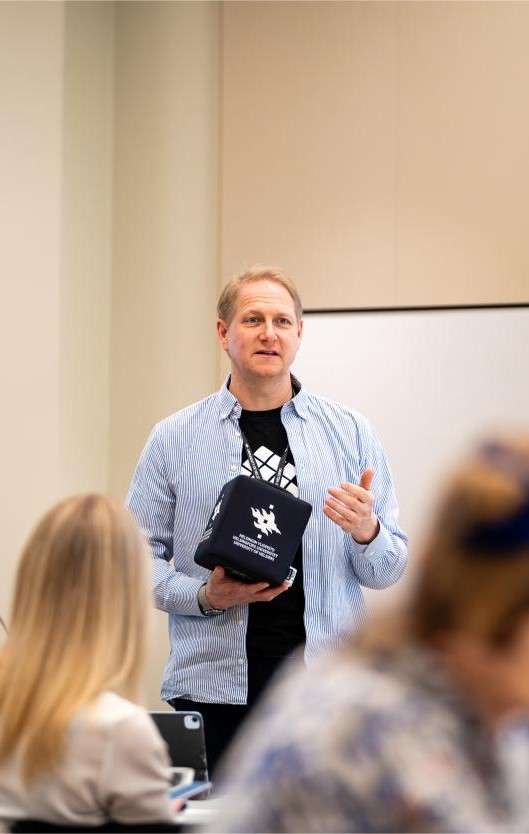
(224, 592)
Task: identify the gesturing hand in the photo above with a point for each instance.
(351, 507)
(224, 592)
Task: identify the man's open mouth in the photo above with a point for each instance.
(267, 353)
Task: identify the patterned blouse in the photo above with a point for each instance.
(381, 745)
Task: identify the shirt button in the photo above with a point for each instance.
(240, 622)
(233, 467)
(240, 661)
(237, 434)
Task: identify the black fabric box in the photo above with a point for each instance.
(254, 531)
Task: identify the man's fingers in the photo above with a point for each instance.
(233, 592)
(366, 479)
(334, 516)
(340, 498)
(272, 593)
(280, 588)
(258, 587)
(218, 573)
(349, 493)
(338, 507)
(351, 515)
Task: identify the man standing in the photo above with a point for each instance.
(228, 637)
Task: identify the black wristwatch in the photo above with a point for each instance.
(204, 605)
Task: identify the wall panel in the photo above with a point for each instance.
(379, 151)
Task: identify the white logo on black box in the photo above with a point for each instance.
(266, 521)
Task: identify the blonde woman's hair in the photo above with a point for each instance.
(228, 297)
(78, 625)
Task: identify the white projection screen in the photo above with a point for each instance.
(431, 382)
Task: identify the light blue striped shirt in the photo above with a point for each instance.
(187, 460)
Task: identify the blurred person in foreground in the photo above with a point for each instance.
(73, 749)
(420, 724)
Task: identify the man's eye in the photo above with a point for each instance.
(251, 319)
(284, 322)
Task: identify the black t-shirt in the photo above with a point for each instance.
(274, 628)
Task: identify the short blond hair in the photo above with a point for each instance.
(77, 627)
(228, 297)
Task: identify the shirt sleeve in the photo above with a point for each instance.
(152, 501)
(134, 784)
(382, 562)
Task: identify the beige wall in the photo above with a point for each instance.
(379, 151)
(165, 231)
(54, 259)
(31, 71)
(86, 273)
(165, 218)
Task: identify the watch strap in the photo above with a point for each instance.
(204, 605)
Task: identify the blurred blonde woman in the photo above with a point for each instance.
(74, 750)
(421, 724)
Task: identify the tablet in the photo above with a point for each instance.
(195, 788)
(183, 732)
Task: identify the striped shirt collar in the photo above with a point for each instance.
(228, 404)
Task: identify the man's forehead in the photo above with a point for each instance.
(264, 294)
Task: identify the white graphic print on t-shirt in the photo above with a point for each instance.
(267, 462)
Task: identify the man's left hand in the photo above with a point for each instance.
(351, 507)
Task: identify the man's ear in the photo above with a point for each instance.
(300, 328)
(222, 333)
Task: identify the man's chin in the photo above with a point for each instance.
(268, 370)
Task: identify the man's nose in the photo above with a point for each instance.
(268, 330)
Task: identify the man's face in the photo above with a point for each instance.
(263, 335)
